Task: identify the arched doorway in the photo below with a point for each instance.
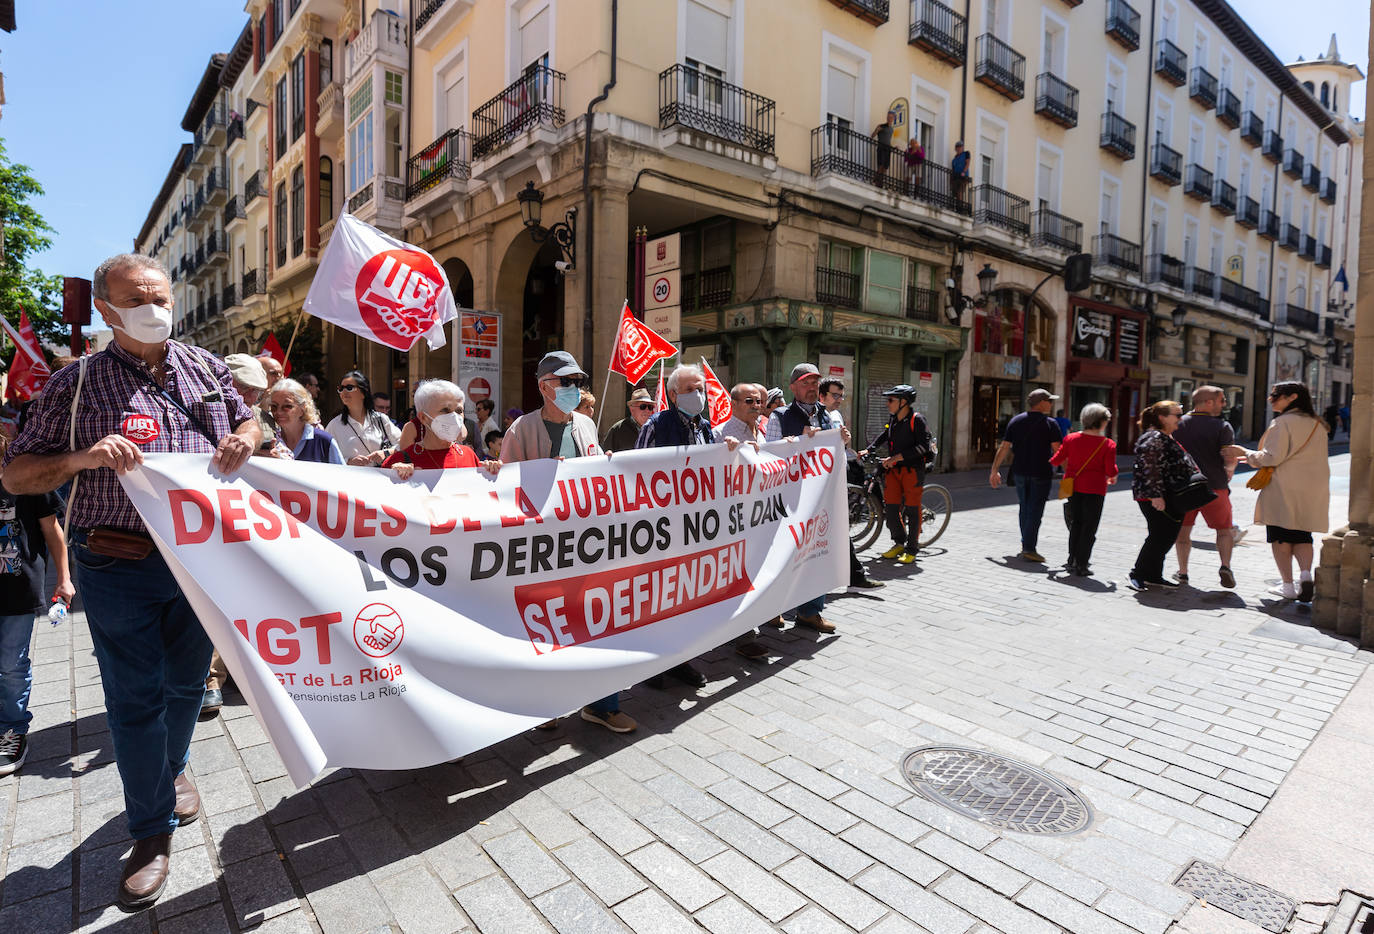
(529, 294)
(459, 281)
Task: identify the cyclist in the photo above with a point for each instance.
(907, 440)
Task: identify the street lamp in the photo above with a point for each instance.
(958, 301)
(1177, 316)
(564, 233)
(986, 277)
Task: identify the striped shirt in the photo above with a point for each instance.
(110, 397)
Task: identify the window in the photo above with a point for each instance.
(451, 93)
(1168, 23)
(395, 88)
(297, 96)
(1164, 121)
(1111, 197)
(1244, 187)
(1159, 228)
(297, 211)
(278, 20)
(1217, 249)
(1262, 275)
(842, 87)
(928, 120)
(326, 63)
(279, 117)
(360, 153)
(281, 224)
(1054, 47)
(1200, 50)
(1116, 86)
(533, 40)
(394, 161)
(707, 35)
(884, 283)
(996, 17)
(262, 40)
(1047, 179)
(360, 100)
(1197, 141)
(1190, 237)
(326, 189)
(1223, 159)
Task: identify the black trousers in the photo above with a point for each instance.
(1085, 512)
(1159, 539)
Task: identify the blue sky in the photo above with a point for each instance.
(97, 90)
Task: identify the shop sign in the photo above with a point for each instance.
(1130, 341)
(1092, 335)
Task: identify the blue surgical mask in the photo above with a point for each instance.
(567, 398)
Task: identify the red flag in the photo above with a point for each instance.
(717, 398)
(637, 347)
(29, 370)
(661, 401)
(272, 346)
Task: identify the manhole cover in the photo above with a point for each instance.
(1241, 897)
(996, 790)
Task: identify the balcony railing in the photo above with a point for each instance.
(254, 283)
(870, 11)
(1273, 146)
(922, 304)
(359, 198)
(1204, 282)
(1224, 196)
(1269, 224)
(690, 98)
(1248, 212)
(253, 186)
(1292, 163)
(1324, 257)
(1166, 164)
(1203, 87)
(427, 13)
(837, 287)
(999, 208)
(1171, 62)
(1299, 317)
(1056, 99)
(235, 130)
(1118, 135)
(1055, 230)
(535, 100)
(939, 30)
(1292, 238)
(711, 288)
(1116, 252)
(215, 244)
(447, 157)
(1198, 183)
(233, 210)
(837, 150)
(1000, 67)
(1252, 128)
(1233, 293)
(1312, 177)
(1165, 270)
(385, 32)
(1123, 23)
(1228, 108)
(1309, 247)
(229, 296)
(1328, 190)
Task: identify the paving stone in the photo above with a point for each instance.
(43, 817)
(223, 791)
(681, 834)
(1144, 918)
(895, 854)
(813, 807)
(347, 802)
(677, 878)
(824, 847)
(258, 889)
(750, 802)
(651, 913)
(113, 920)
(832, 893)
(985, 905)
(814, 921)
(756, 887)
(1068, 913)
(750, 839)
(599, 870)
(214, 755)
(688, 799)
(208, 920)
(525, 861)
(812, 779)
(345, 906)
(50, 913)
(263, 763)
(38, 868)
(976, 865)
(419, 902)
(459, 861)
(572, 911)
(312, 845)
(729, 916)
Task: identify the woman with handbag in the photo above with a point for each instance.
(1161, 466)
(1294, 480)
(1089, 459)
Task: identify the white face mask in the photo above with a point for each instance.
(147, 324)
(691, 403)
(448, 426)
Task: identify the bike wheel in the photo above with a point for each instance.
(936, 506)
(865, 522)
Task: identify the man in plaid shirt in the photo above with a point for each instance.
(142, 393)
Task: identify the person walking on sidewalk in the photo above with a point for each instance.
(905, 442)
(1089, 461)
(1205, 435)
(1296, 500)
(1031, 439)
(1160, 464)
(144, 392)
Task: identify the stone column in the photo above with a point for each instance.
(611, 204)
(312, 141)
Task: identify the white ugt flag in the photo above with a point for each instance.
(380, 288)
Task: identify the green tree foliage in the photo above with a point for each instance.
(23, 287)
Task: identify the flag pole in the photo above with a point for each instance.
(605, 388)
(294, 331)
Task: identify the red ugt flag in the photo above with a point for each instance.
(717, 398)
(272, 346)
(637, 347)
(29, 371)
(661, 400)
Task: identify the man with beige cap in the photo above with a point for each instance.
(625, 433)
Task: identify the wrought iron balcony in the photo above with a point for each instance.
(1056, 99)
(711, 288)
(1269, 224)
(1228, 108)
(254, 283)
(216, 246)
(535, 100)
(1312, 177)
(233, 210)
(1118, 135)
(1116, 252)
(1000, 67)
(837, 150)
(1166, 164)
(690, 98)
(1224, 196)
(1327, 192)
(1166, 270)
(922, 304)
(999, 208)
(1301, 318)
(1292, 163)
(1198, 183)
(1292, 238)
(1050, 229)
(870, 11)
(1252, 128)
(1273, 146)
(1123, 23)
(447, 157)
(253, 187)
(1233, 293)
(939, 30)
(229, 296)
(235, 132)
(1204, 282)
(837, 287)
(1248, 212)
(1203, 87)
(1309, 247)
(1171, 62)
(199, 260)
(1264, 310)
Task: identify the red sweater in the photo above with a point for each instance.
(456, 455)
(1089, 459)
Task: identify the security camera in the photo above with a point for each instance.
(563, 266)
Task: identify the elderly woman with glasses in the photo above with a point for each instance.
(364, 436)
(296, 417)
(1161, 464)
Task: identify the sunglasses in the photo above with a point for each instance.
(347, 387)
(566, 381)
(751, 401)
(644, 406)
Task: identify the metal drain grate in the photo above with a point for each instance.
(1247, 900)
(996, 790)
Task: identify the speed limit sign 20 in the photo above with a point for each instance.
(663, 289)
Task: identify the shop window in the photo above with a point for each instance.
(997, 327)
(883, 284)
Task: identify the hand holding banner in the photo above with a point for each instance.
(637, 347)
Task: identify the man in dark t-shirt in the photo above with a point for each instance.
(1031, 439)
(1204, 434)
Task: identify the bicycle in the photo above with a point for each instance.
(866, 504)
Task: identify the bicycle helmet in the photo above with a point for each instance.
(902, 391)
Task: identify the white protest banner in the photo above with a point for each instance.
(379, 624)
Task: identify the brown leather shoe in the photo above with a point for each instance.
(145, 872)
(776, 622)
(187, 807)
(818, 623)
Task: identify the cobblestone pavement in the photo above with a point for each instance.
(771, 800)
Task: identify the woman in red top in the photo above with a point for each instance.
(439, 409)
(1089, 458)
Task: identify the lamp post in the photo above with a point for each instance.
(564, 232)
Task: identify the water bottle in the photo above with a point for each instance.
(58, 611)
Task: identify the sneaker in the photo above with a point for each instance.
(818, 623)
(896, 551)
(865, 583)
(1168, 585)
(211, 702)
(907, 558)
(752, 650)
(14, 749)
(1031, 555)
(1288, 590)
(1181, 576)
(1134, 582)
(1228, 579)
(616, 722)
(1237, 533)
(1306, 590)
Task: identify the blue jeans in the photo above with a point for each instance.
(606, 705)
(153, 657)
(811, 607)
(16, 672)
(1032, 493)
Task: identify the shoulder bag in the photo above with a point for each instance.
(1182, 498)
(1261, 477)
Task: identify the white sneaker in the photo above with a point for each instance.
(1288, 590)
(1237, 533)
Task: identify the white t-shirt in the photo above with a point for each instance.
(365, 437)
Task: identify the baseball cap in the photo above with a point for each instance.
(803, 369)
(246, 370)
(640, 395)
(558, 363)
(1038, 396)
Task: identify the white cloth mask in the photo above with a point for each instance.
(147, 324)
(447, 426)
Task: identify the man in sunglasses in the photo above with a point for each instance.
(625, 433)
(746, 403)
(555, 429)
